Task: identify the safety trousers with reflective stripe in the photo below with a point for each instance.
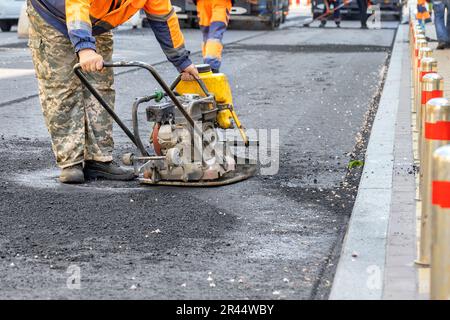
(213, 20)
(422, 13)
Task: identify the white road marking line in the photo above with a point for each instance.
(13, 73)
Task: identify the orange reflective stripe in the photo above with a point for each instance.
(213, 49)
(175, 32)
(162, 8)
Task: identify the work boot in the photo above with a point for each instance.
(338, 24)
(364, 26)
(441, 45)
(107, 170)
(73, 174)
(322, 23)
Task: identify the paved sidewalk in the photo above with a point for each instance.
(401, 274)
(377, 260)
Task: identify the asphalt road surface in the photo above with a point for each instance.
(273, 236)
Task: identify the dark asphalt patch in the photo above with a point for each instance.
(117, 220)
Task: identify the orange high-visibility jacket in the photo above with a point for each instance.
(80, 20)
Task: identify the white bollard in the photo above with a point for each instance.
(436, 131)
(440, 243)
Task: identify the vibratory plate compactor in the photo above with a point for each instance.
(189, 121)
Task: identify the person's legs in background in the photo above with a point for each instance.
(447, 6)
(323, 20)
(362, 5)
(204, 20)
(220, 17)
(214, 16)
(439, 24)
(337, 13)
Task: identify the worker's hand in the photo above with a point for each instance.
(190, 73)
(252, 1)
(90, 60)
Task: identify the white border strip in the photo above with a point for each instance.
(360, 271)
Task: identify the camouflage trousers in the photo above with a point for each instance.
(79, 127)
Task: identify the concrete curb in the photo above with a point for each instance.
(360, 271)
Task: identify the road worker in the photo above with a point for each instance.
(64, 32)
(363, 5)
(423, 16)
(336, 12)
(213, 18)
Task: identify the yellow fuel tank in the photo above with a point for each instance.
(217, 84)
